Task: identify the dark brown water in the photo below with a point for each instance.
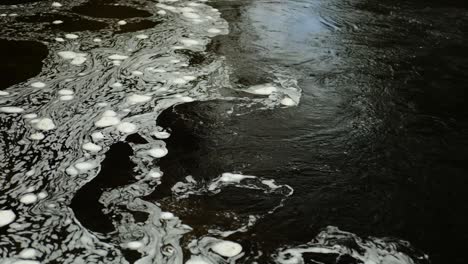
(289, 121)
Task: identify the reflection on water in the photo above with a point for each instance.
(156, 134)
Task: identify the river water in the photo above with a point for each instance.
(249, 131)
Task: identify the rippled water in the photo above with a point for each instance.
(232, 132)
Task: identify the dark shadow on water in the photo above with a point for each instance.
(70, 23)
(116, 170)
(17, 2)
(21, 60)
(106, 10)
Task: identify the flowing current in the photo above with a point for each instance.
(99, 93)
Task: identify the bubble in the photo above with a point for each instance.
(28, 253)
(11, 109)
(38, 84)
(28, 198)
(97, 136)
(6, 217)
(227, 248)
(91, 147)
(288, 101)
(117, 57)
(127, 128)
(137, 99)
(45, 124)
(157, 152)
(71, 36)
(37, 136)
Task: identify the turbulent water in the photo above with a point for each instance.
(82, 143)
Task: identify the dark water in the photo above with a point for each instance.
(341, 115)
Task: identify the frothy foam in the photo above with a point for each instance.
(6, 217)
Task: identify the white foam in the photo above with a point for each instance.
(71, 36)
(109, 113)
(214, 31)
(85, 166)
(97, 40)
(3, 93)
(137, 99)
(91, 147)
(117, 85)
(56, 4)
(11, 109)
(117, 57)
(72, 171)
(24, 261)
(28, 253)
(97, 136)
(59, 39)
(189, 78)
(187, 99)
(161, 134)
(162, 12)
(137, 73)
(179, 81)
(29, 116)
(190, 15)
(134, 245)
(158, 152)
(42, 195)
(228, 178)
(167, 215)
(155, 174)
(263, 89)
(197, 260)
(28, 198)
(30, 172)
(287, 101)
(189, 42)
(37, 136)
(271, 184)
(66, 97)
(107, 121)
(102, 104)
(167, 7)
(227, 249)
(57, 22)
(6, 217)
(45, 124)
(127, 127)
(65, 92)
(193, 4)
(233, 177)
(78, 60)
(141, 36)
(122, 22)
(38, 84)
(187, 9)
(109, 118)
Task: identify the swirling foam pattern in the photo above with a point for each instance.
(95, 89)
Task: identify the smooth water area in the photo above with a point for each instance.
(254, 131)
